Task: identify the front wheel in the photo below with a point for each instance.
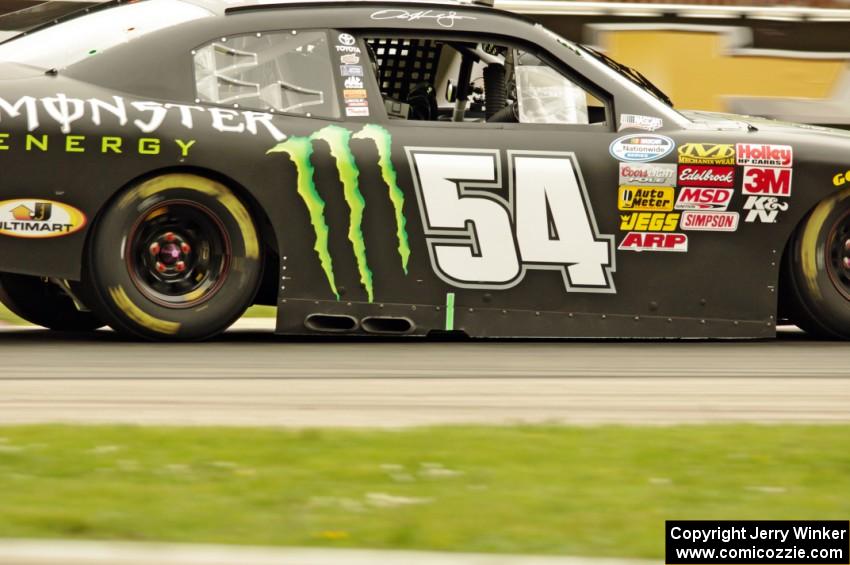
(176, 257)
(816, 289)
(44, 304)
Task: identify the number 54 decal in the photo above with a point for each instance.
(480, 237)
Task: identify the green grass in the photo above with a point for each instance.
(602, 491)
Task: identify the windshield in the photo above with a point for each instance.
(68, 42)
(631, 74)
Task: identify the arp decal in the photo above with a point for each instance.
(645, 198)
(146, 116)
(300, 150)
(641, 148)
(707, 154)
(711, 176)
(39, 219)
(482, 235)
(764, 209)
(701, 198)
(709, 221)
(765, 155)
(767, 181)
(648, 221)
(647, 174)
(648, 241)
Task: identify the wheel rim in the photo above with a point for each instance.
(178, 254)
(838, 255)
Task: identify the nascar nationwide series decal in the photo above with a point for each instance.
(300, 150)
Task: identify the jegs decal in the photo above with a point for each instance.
(483, 235)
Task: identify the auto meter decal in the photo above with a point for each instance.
(641, 148)
(39, 219)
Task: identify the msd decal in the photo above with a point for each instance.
(710, 221)
(707, 176)
(765, 155)
(695, 198)
(648, 241)
(761, 181)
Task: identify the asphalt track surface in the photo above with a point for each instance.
(256, 378)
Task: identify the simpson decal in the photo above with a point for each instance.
(707, 175)
(38, 219)
(765, 155)
(647, 174)
(709, 221)
(641, 148)
(644, 241)
(707, 154)
(697, 198)
(645, 199)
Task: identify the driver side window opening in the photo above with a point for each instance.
(429, 79)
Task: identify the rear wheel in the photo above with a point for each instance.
(176, 257)
(43, 303)
(816, 290)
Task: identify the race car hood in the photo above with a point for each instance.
(17, 71)
(725, 122)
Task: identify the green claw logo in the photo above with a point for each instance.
(300, 150)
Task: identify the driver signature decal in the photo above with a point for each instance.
(443, 19)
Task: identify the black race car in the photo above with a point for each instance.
(396, 168)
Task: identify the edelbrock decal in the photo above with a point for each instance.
(641, 148)
(300, 150)
(38, 219)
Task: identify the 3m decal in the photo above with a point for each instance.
(767, 181)
(698, 198)
(641, 148)
(707, 154)
(646, 221)
(38, 219)
(633, 121)
(645, 199)
(300, 150)
(765, 155)
(647, 174)
(709, 221)
(443, 19)
(146, 116)
(481, 235)
(764, 209)
(707, 176)
(647, 241)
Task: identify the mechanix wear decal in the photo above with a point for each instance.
(300, 150)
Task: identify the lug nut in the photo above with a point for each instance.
(154, 249)
(184, 247)
(847, 245)
(846, 261)
(180, 266)
(160, 267)
(170, 236)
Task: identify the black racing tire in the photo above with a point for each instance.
(177, 257)
(44, 304)
(815, 287)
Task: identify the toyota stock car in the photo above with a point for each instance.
(395, 168)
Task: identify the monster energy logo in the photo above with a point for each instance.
(300, 150)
